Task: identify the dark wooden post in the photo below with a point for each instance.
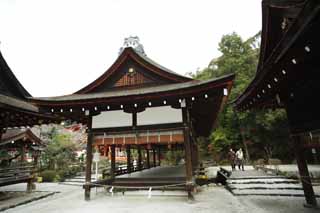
(187, 145)
(194, 156)
(105, 150)
(304, 172)
(139, 158)
(159, 155)
(154, 157)
(113, 162)
(87, 187)
(128, 150)
(148, 158)
(22, 153)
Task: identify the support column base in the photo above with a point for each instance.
(30, 186)
(87, 190)
(311, 206)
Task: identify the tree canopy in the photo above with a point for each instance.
(262, 134)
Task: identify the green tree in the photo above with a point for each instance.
(254, 131)
(60, 151)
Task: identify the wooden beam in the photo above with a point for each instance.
(88, 159)
(113, 130)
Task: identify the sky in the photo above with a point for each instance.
(56, 47)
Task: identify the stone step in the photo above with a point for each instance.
(269, 192)
(258, 177)
(261, 181)
(288, 186)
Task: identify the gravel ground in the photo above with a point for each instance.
(208, 199)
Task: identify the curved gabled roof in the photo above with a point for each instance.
(9, 84)
(149, 65)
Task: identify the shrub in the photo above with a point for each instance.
(224, 162)
(48, 175)
(274, 161)
(260, 161)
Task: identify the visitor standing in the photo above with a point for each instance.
(240, 159)
(232, 158)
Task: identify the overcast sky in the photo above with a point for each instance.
(57, 47)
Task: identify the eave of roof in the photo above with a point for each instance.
(7, 101)
(134, 92)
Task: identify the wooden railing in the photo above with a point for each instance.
(122, 169)
(16, 174)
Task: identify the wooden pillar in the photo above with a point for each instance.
(105, 150)
(187, 146)
(154, 157)
(128, 150)
(88, 160)
(113, 162)
(134, 119)
(196, 154)
(139, 158)
(23, 153)
(304, 172)
(159, 154)
(194, 157)
(148, 158)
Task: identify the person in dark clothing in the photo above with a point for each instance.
(232, 158)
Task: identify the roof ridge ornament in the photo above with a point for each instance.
(134, 42)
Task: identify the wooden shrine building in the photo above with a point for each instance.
(139, 104)
(288, 74)
(24, 142)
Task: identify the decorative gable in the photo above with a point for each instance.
(133, 69)
(132, 78)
